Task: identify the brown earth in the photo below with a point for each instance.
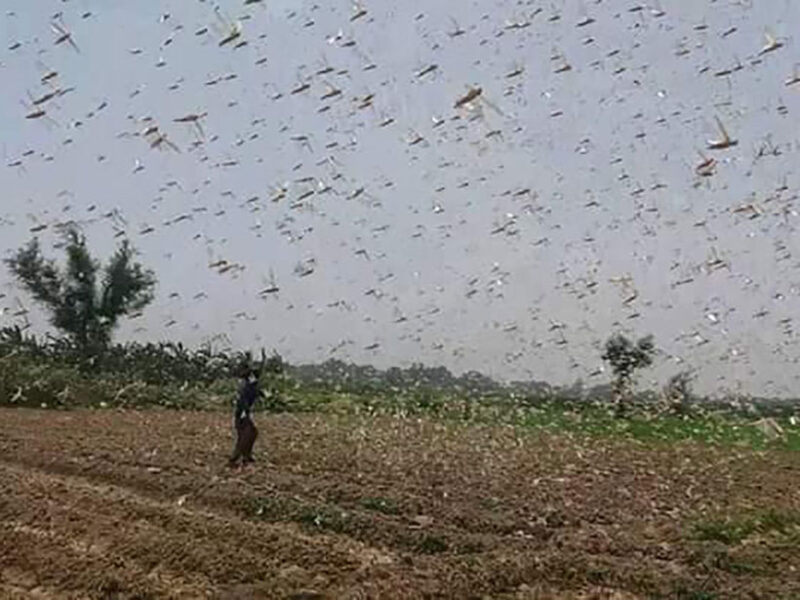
(139, 505)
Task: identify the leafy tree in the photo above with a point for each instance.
(678, 392)
(274, 364)
(625, 359)
(277, 381)
(85, 300)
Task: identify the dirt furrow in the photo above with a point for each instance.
(122, 504)
(92, 526)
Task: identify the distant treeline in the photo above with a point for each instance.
(169, 363)
(174, 365)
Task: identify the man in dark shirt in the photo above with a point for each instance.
(244, 426)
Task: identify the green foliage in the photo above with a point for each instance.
(85, 301)
(626, 357)
(163, 363)
(27, 382)
(49, 372)
(36, 372)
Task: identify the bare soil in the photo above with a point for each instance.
(140, 505)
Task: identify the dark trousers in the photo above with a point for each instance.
(246, 434)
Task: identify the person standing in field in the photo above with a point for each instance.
(245, 428)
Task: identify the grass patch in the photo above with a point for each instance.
(734, 530)
(316, 516)
(712, 429)
(324, 517)
(688, 594)
(269, 508)
(432, 544)
(387, 506)
(725, 562)
(723, 530)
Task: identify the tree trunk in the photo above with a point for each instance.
(622, 394)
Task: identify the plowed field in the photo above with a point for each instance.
(113, 504)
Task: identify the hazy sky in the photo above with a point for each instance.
(511, 235)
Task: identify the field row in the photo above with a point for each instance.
(116, 504)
